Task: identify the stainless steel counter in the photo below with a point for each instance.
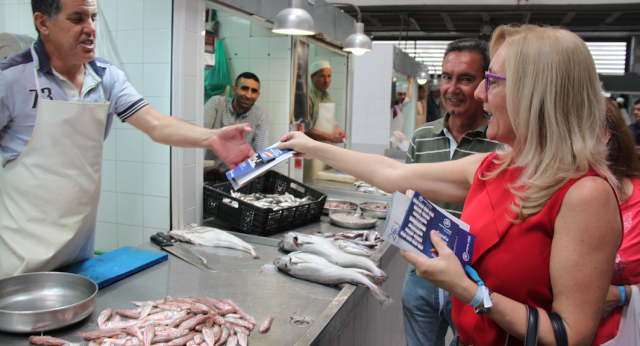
(250, 283)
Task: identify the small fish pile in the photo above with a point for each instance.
(170, 322)
(368, 188)
(338, 205)
(384, 207)
(209, 236)
(273, 201)
(327, 250)
(362, 243)
(314, 268)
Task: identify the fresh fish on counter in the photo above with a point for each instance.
(329, 274)
(368, 188)
(209, 236)
(325, 248)
(273, 201)
(266, 325)
(198, 322)
(352, 248)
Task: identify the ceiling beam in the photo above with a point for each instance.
(486, 17)
(370, 18)
(448, 21)
(612, 17)
(567, 19)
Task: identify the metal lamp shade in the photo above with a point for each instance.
(358, 43)
(422, 77)
(293, 21)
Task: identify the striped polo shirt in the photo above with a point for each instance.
(432, 142)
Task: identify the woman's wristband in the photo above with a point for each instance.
(623, 296)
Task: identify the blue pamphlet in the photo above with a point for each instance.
(412, 217)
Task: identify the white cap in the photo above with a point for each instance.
(319, 65)
(620, 100)
(401, 87)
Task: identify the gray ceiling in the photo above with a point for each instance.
(615, 21)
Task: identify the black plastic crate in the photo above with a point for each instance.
(249, 218)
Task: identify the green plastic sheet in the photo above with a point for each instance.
(218, 78)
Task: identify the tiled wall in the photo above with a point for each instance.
(371, 122)
(252, 47)
(135, 196)
(371, 325)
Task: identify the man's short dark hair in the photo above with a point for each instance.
(637, 102)
(471, 45)
(247, 75)
(420, 87)
(49, 8)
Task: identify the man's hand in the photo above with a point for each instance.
(410, 80)
(230, 146)
(338, 135)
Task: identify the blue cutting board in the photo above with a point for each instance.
(115, 265)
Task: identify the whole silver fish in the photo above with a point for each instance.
(242, 339)
(104, 316)
(328, 274)
(325, 248)
(209, 236)
(232, 341)
(352, 248)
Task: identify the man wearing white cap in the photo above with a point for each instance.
(403, 96)
(320, 82)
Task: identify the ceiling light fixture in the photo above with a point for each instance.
(293, 21)
(357, 43)
(423, 76)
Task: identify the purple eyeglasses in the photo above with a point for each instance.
(488, 75)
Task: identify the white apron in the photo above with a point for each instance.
(397, 123)
(49, 194)
(326, 121)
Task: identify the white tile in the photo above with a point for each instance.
(11, 18)
(278, 91)
(262, 102)
(279, 69)
(359, 135)
(106, 236)
(107, 207)
(237, 67)
(156, 179)
(25, 19)
(157, 14)
(241, 48)
(157, 46)
(130, 209)
(153, 152)
(280, 47)
(189, 193)
(109, 12)
(130, 47)
(338, 96)
(129, 145)
(190, 58)
(2, 11)
(190, 216)
(189, 108)
(109, 150)
(258, 30)
(260, 67)
(278, 113)
(360, 104)
(156, 212)
(129, 235)
(161, 104)
(129, 177)
(241, 27)
(377, 136)
(191, 11)
(157, 80)
(130, 15)
(189, 156)
(264, 89)
(259, 48)
(109, 176)
(361, 90)
(276, 131)
(380, 90)
(134, 73)
(338, 80)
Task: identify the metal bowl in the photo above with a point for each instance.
(44, 301)
(381, 214)
(326, 210)
(368, 220)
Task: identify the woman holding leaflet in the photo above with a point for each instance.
(544, 212)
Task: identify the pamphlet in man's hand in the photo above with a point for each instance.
(412, 217)
(252, 168)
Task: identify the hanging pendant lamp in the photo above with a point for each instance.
(293, 21)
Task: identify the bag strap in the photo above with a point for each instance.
(533, 322)
(559, 329)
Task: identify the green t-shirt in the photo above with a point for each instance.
(430, 143)
(316, 97)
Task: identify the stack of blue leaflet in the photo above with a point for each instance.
(412, 217)
(252, 168)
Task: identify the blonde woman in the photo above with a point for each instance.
(544, 212)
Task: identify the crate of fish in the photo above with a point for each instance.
(270, 204)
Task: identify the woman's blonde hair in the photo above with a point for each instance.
(556, 109)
